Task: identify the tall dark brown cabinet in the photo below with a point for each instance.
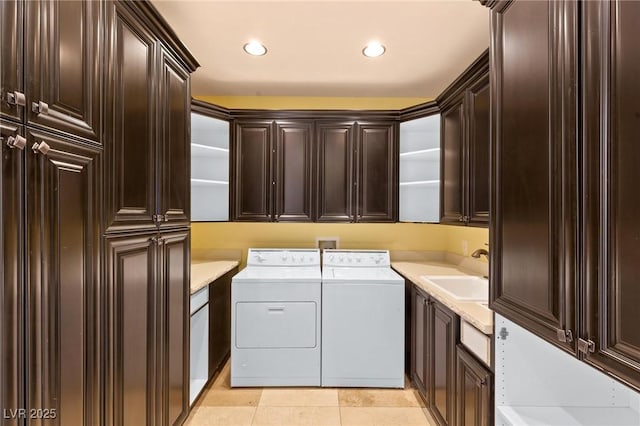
(464, 132)
(564, 224)
(82, 315)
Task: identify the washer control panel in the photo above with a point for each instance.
(283, 257)
(356, 258)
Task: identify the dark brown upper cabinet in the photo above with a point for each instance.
(252, 176)
(294, 171)
(611, 337)
(130, 153)
(533, 151)
(474, 396)
(64, 66)
(64, 304)
(147, 150)
(335, 177)
(377, 172)
(13, 100)
(174, 160)
(464, 194)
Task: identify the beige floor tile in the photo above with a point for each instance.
(297, 416)
(299, 398)
(221, 416)
(377, 398)
(382, 416)
(219, 397)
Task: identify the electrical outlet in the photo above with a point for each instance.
(465, 248)
(327, 243)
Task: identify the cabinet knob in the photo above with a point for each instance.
(16, 98)
(41, 148)
(461, 219)
(40, 107)
(16, 142)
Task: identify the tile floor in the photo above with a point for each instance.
(220, 405)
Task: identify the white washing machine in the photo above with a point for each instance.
(275, 323)
(362, 320)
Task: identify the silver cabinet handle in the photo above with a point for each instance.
(41, 148)
(16, 142)
(16, 98)
(40, 107)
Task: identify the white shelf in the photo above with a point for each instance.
(208, 182)
(421, 183)
(567, 416)
(432, 154)
(208, 151)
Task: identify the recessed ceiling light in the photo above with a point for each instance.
(373, 49)
(255, 48)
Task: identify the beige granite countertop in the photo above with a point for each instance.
(474, 313)
(204, 272)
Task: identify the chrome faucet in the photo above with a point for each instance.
(480, 252)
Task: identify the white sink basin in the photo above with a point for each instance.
(461, 287)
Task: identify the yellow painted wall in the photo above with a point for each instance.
(310, 102)
(392, 236)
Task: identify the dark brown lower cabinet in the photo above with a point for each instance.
(147, 312)
(435, 332)
(63, 343)
(220, 321)
(474, 396)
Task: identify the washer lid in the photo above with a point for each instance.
(260, 274)
(362, 274)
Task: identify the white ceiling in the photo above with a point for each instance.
(314, 47)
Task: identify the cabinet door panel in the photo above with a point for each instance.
(219, 321)
(420, 349)
(335, 172)
(474, 405)
(452, 166)
(444, 330)
(12, 235)
(294, 174)
(130, 146)
(533, 221)
(63, 298)
(174, 156)
(252, 186)
(131, 276)
(377, 172)
(478, 157)
(611, 202)
(174, 325)
(11, 66)
(64, 65)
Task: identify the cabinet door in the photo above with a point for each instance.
(63, 286)
(452, 173)
(533, 212)
(478, 153)
(335, 184)
(220, 321)
(611, 202)
(12, 235)
(377, 172)
(11, 66)
(474, 404)
(252, 183)
(173, 326)
(131, 375)
(130, 180)
(64, 65)
(419, 342)
(174, 156)
(443, 333)
(293, 171)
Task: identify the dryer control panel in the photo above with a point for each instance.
(283, 257)
(356, 258)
